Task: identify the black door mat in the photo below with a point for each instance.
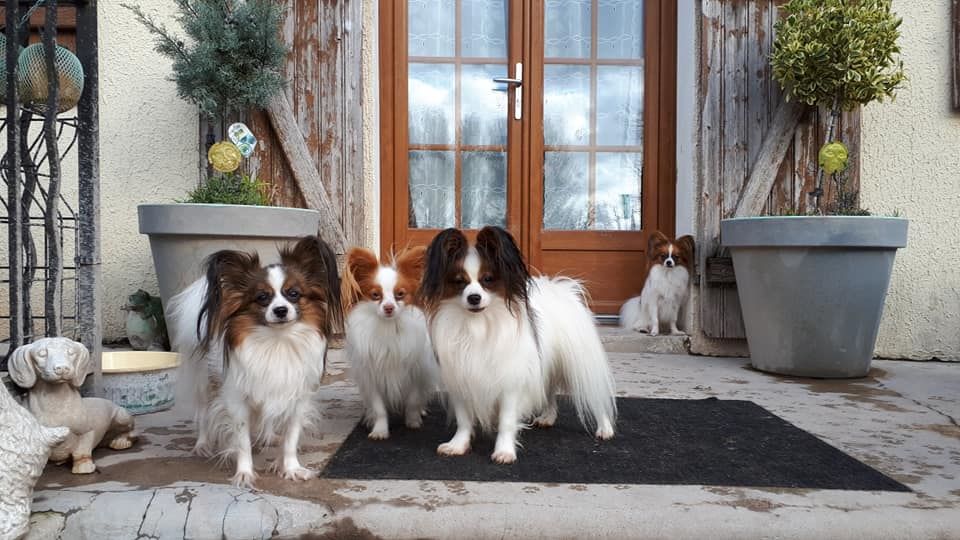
(658, 441)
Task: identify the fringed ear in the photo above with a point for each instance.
(22, 369)
(412, 262)
(314, 256)
(656, 240)
(688, 245)
(361, 264)
(229, 273)
(82, 363)
(497, 247)
(446, 249)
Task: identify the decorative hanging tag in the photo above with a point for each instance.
(241, 136)
(224, 156)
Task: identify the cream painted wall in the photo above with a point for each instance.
(148, 149)
(911, 165)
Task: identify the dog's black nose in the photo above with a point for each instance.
(280, 311)
(473, 299)
(669, 263)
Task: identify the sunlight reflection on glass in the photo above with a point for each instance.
(566, 104)
(566, 190)
(619, 105)
(483, 28)
(484, 192)
(483, 109)
(567, 29)
(430, 28)
(431, 189)
(431, 103)
(618, 191)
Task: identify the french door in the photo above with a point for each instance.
(552, 118)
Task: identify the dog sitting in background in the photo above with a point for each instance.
(665, 292)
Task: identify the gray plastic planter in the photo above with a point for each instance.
(812, 289)
(183, 235)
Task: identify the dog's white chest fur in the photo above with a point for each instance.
(664, 295)
(277, 367)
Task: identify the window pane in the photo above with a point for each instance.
(431, 103)
(567, 29)
(566, 104)
(618, 191)
(484, 190)
(566, 190)
(483, 28)
(432, 189)
(620, 105)
(620, 32)
(482, 107)
(431, 27)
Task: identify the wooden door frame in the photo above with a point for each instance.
(659, 154)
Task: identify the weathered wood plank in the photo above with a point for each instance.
(304, 173)
(354, 208)
(955, 56)
(711, 159)
(772, 152)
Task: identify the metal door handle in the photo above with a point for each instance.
(517, 83)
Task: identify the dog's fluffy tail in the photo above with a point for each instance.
(186, 334)
(571, 345)
(630, 313)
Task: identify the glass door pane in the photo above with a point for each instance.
(593, 86)
(457, 115)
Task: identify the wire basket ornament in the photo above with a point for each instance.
(32, 78)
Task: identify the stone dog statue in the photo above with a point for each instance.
(53, 369)
(24, 446)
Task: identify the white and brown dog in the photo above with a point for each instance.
(53, 369)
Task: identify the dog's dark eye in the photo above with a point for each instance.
(487, 279)
(293, 294)
(459, 281)
(400, 295)
(263, 298)
(375, 295)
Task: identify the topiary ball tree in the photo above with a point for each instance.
(837, 54)
(232, 58)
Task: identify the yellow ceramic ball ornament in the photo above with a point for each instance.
(833, 157)
(224, 156)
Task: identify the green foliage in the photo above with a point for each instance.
(841, 52)
(233, 57)
(230, 189)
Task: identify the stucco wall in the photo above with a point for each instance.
(148, 149)
(911, 165)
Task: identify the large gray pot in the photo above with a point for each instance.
(812, 289)
(183, 235)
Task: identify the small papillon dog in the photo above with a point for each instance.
(664, 294)
(387, 344)
(507, 343)
(269, 325)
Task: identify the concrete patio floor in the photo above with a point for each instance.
(901, 420)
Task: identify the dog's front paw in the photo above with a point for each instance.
(639, 328)
(414, 421)
(605, 430)
(453, 449)
(298, 474)
(654, 332)
(244, 479)
(83, 465)
(546, 420)
(504, 457)
(379, 434)
(122, 442)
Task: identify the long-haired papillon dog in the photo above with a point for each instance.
(665, 292)
(387, 345)
(269, 325)
(507, 342)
